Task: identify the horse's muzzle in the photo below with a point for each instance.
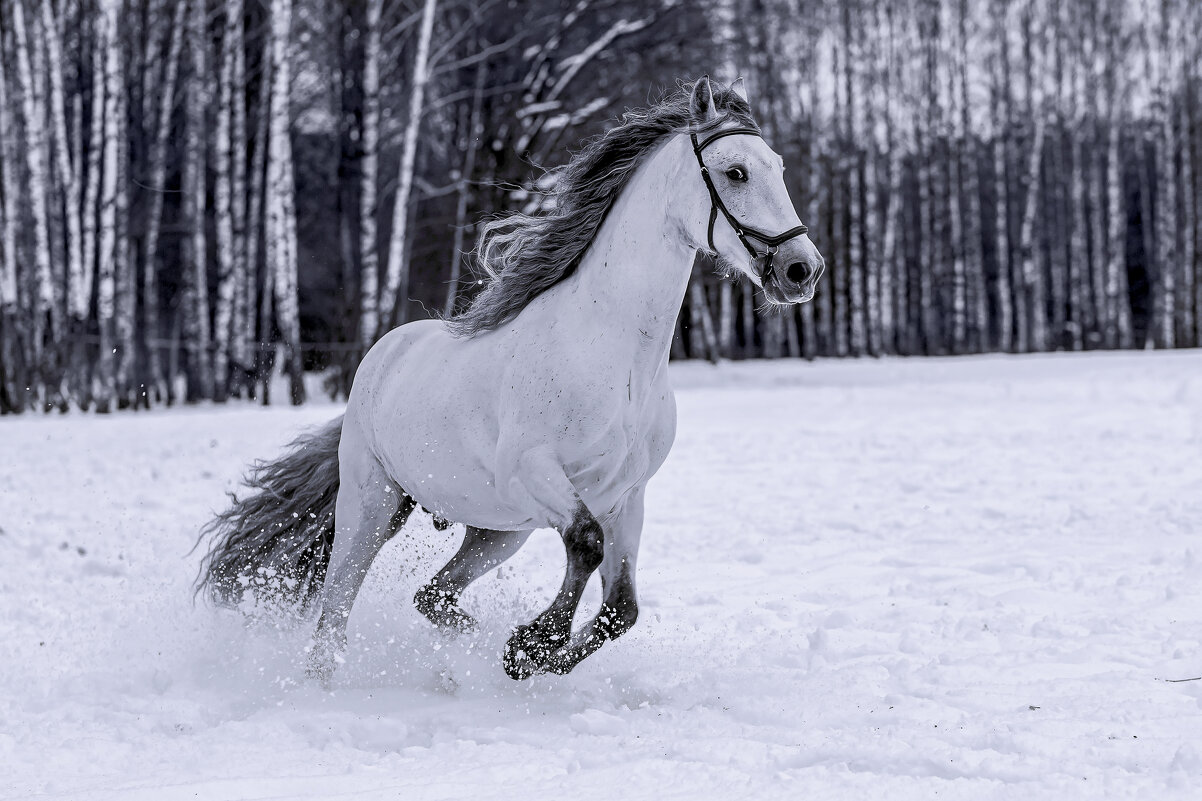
(795, 283)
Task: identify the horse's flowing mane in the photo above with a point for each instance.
(524, 255)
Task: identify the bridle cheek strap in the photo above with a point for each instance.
(742, 231)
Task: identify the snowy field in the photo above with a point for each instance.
(977, 578)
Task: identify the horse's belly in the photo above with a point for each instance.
(446, 465)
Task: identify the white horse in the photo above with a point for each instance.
(545, 404)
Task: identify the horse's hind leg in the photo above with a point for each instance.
(370, 509)
(481, 551)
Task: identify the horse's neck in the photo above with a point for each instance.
(634, 276)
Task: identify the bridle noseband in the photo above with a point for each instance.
(741, 230)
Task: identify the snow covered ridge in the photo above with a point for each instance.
(974, 578)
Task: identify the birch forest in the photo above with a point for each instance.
(196, 195)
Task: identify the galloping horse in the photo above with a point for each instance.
(546, 403)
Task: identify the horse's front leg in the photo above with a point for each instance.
(619, 605)
(531, 646)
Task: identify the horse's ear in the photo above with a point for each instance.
(740, 89)
(701, 104)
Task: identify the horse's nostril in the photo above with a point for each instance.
(798, 272)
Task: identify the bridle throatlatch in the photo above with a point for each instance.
(742, 231)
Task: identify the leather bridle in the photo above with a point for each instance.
(742, 230)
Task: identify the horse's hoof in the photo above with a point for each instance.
(517, 664)
(321, 671)
(441, 608)
(526, 653)
(325, 655)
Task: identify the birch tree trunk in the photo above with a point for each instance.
(1080, 317)
(1187, 34)
(77, 306)
(240, 352)
(105, 383)
(809, 334)
(369, 246)
(700, 318)
(877, 283)
(974, 257)
(8, 186)
(281, 210)
(156, 384)
(224, 153)
(1003, 288)
(926, 233)
(747, 309)
(1032, 333)
(1116, 331)
(955, 164)
(1119, 332)
(726, 318)
(196, 302)
(36, 142)
(474, 143)
(840, 244)
(1095, 186)
(1194, 155)
(1165, 221)
(893, 275)
(1188, 336)
(258, 292)
(126, 309)
(396, 287)
(1035, 338)
(12, 331)
(857, 340)
(92, 186)
(813, 166)
(1054, 227)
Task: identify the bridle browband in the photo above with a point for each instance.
(742, 230)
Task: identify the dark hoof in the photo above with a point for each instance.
(442, 609)
(529, 651)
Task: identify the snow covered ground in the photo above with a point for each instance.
(977, 578)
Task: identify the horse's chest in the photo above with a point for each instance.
(630, 449)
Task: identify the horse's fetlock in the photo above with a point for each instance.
(431, 599)
(614, 621)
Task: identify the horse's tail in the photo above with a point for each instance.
(275, 541)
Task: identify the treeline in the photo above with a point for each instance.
(191, 189)
(981, 175)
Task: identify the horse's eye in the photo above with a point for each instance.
(737, 174)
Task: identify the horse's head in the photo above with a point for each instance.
(752, 225)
